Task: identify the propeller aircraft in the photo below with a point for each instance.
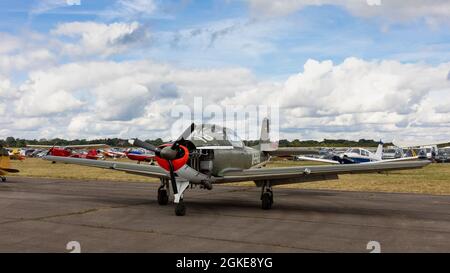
(140, 156)
(68, 151)
(357, 155)
(5, 166)
(15, 154)
(209, 154)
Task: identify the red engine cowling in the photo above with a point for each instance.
(177, 163)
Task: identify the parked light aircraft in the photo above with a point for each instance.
(430, 149)
(5, 166)
(140, 156)
(358, 155)
(210, 154)
(112, 153)
(68, 151)
(15, 154)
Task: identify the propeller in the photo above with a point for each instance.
(51, 149)
(169, 153)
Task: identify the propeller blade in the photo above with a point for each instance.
(51, 149)
(172, 177)
(142, 144)
(184, 135)
(187, 132)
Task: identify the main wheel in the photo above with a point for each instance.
(163, 197)
(3, 179)
(180, 209)
(266, 201)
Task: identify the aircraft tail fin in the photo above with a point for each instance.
(264, 141)
(379, 152)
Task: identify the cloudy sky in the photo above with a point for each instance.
(338, 69)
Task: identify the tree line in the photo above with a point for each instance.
(117, 142)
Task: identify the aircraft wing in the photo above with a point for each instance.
(410, 158)
(40, 146)
(9, 170)
(410, 144)
(307, 158)
(289, 175)
(291, 151)
(140, 169)
(87, 146)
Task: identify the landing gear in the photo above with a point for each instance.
(163, 197)
(266, 201)
(266, 196)
(163, 193)
(179, 188)
(3, 179)
(180, 208)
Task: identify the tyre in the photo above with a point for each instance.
(163, 197)
(180, 209)
(266, 201)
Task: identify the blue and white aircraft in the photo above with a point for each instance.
(356, 156)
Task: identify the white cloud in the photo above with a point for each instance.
(26, 59)
(130, 9)
(393, 9)
(98, 39)
(356, 98)
(5, 86)
(353, 99)
(359, 98)
(9, 43)
(43, 6)
(25, 52)
(35, 103)
(117, 98)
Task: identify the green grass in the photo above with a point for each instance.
(433, 179)
(34, 167)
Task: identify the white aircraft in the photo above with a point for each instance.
(357, 155)
(427, 148)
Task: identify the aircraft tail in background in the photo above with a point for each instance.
(379, 152)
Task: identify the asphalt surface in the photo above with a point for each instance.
(43, 215)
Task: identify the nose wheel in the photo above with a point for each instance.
(180, 208)
(3, 179)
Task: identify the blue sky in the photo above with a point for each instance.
(292, 48)
(318, 32)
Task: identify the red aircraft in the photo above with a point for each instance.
(140, 156)
(68, 151)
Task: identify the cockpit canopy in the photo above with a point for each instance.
(211, 136)
(358, 151)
